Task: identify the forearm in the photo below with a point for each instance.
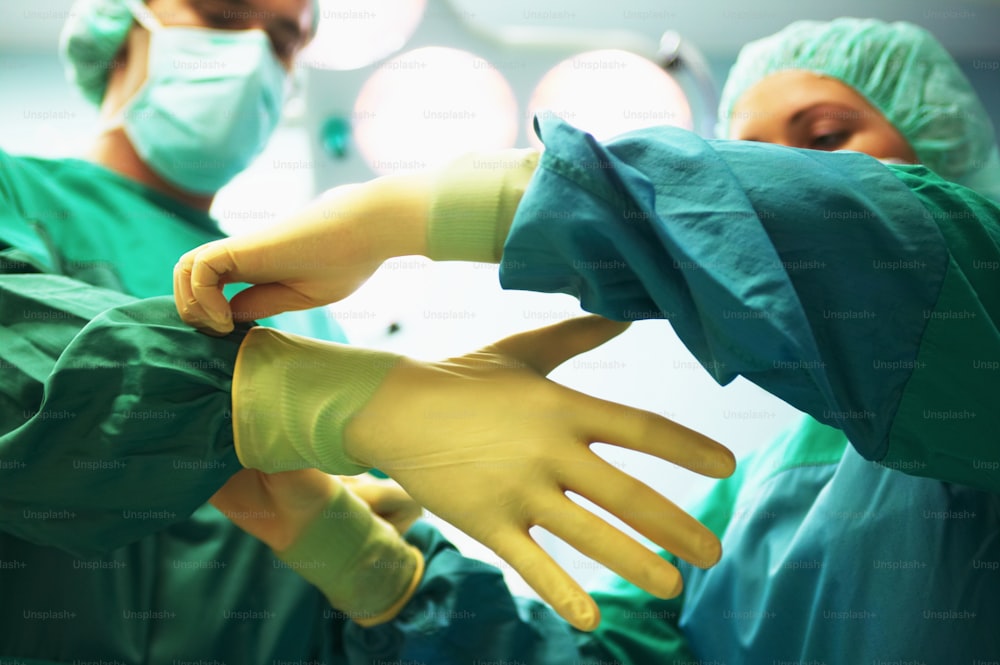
(472, 204)
(275, 508)
(814, 275)
(115, 415)
(460, 212)
(381, 218)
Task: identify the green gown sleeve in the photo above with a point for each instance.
(115, 415)
(852, 290)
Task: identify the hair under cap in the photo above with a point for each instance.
(93, 35)
(902, 71)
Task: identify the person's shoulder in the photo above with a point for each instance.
(19, 173)
(28, 167)
(9, 163)
(28, 182)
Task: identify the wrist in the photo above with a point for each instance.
(472, 204)
(395, 215)
(275, 508)
(376, 436)
(379, 219)
(294, 396)
(298, 498)
(362, 566)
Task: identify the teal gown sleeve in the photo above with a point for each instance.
(115, 415)
(849, 289)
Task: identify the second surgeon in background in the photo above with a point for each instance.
(862, 293)
(116, 424)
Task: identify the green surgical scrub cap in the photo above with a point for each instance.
(92, 36)
(902, 71)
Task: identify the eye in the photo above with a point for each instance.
(220, 15)
(829, 140)
(286, 41)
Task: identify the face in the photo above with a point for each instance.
(288, 23)
(805, 110)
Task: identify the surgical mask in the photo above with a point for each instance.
(210, 102)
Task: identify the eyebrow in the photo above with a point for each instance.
(281, 21)
(799, 115)
(841, 108)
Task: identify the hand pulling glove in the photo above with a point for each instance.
(358, 560)
(485, 442)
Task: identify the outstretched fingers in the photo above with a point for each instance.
(553, 584)
(595, 538)
(648, 512)
(655, 435)
(544, 349)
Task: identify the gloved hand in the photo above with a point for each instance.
(330, 536)
(485, 442)
(386, 499)
(323, 254)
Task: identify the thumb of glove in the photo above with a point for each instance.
(544, 349)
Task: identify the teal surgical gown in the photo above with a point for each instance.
(868, 297)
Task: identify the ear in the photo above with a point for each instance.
(126, 73)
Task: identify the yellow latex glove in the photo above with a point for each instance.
(331, 537)
(462, 212)
(386, 498)
(485, 442)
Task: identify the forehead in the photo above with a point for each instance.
(771, 102)
(299, 12)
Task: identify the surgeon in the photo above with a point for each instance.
(117, 423)
(840, 248)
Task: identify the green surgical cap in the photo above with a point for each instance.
(93, 35)
(903, 72)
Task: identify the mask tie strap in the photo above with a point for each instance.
(143, 16)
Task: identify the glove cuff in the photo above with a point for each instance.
(293, 397)
(473, 204)
(363, 567)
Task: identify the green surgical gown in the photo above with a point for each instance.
(115, 428)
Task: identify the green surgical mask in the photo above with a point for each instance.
(210, 102)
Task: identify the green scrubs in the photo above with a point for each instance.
(114, 431)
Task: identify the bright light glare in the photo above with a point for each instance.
(609, 92)
(428, 106)
(355, 33)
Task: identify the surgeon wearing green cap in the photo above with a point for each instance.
(120, 422)
(839, 247)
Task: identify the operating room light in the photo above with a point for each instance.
(608, 92)
(431, 105)
(355, 33)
